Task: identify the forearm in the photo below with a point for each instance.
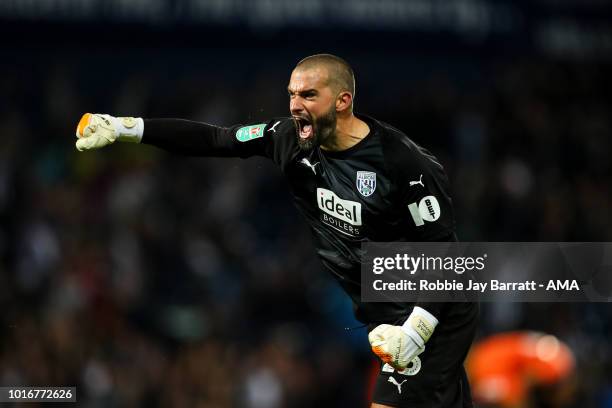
(435, 308)
(188, 137)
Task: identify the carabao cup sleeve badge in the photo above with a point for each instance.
(246, 133)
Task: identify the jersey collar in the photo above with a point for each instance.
(374, 129)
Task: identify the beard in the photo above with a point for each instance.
(323, 131)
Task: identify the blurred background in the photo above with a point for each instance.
(147, 279)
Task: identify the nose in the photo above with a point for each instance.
(295, 106)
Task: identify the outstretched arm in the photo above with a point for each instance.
(176, 135)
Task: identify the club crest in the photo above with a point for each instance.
(366, 183)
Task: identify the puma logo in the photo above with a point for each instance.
(273, 126)
(307, 163)
(414, 183)
(398, 385)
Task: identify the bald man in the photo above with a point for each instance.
(354, 179)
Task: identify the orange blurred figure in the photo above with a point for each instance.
(521, 369)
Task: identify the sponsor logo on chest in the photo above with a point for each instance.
(342, 215)
(345, 210)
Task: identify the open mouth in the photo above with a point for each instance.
(304, 127)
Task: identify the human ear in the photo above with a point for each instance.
(344, 101)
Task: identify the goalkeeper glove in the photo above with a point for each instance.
(97, 130)
(399, 345)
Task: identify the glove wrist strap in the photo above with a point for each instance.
(129, 129)
(420, 321)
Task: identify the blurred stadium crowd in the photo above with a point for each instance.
(147, 279)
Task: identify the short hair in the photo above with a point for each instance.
(341, 75)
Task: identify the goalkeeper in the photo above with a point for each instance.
(354, 179)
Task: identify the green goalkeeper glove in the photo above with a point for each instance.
(98, 130)
(399, 345)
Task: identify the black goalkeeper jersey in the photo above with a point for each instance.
(385, 188)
